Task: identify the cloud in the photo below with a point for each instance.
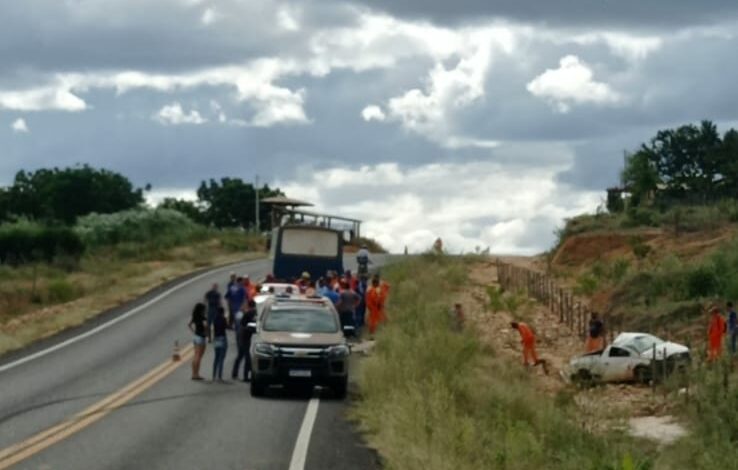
(287, 19)
(373, 112)
(19, 126)
(209, 16)
(55, 98)
(571, 83)
(173, 114)
(460, 202)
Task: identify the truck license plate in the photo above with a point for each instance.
(300, 373)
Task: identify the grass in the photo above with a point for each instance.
(434, 399)
(103, 279)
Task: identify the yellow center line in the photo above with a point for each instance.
(38, 442)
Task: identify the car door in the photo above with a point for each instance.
(617, 364)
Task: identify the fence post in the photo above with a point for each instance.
(561, 305)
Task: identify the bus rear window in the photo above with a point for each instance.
(309, 242)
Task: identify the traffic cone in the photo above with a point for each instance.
(175, 353)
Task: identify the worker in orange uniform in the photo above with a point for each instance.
(715, 334)
(376, 296)
(529, 344)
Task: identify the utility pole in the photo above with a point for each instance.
(256, 191)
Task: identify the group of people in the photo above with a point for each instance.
(210, 321)
(359, 302)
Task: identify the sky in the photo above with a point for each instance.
(484, 122)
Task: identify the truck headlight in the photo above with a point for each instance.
(264, 349)
(340, 350)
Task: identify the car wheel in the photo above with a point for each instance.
(642, 374)
(582, 376)
(257, 388)
(340, 387)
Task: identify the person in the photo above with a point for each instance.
(457, 317)
(198, 325)
(250, 287)
(304, 282)
(350, 279)
(236, 296)
(362, 258)
(715, 333)
(376, 296)
(528, 340)
(327, 291)
(243, 341)
(214, 301)
(220, 343)
(232, 279)
(348, 300)
(595, 336)
(732, 327)
(361, 288)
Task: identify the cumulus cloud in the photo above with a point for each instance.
(571, 83)
(373, 113)
(19, 126)
(471, 204)
(173, 114)
(209, 16)
(55, 97)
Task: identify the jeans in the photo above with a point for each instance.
(359, 318)
(733, 337)
(221, 347)
(243, 354)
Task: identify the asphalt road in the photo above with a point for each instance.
(168, 421)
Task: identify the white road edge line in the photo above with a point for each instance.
(299, 454)
(115, 320)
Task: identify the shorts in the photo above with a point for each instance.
(198, 340)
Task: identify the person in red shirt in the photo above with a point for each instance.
(376, 296)
(528, 339)
(715, 333)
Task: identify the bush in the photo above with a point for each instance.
(24, 242)
(702, 282)
(61, 291)
(154, 227)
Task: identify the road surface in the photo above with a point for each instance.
(113, 399)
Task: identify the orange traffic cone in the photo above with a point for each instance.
(175, 353)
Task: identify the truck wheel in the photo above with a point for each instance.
(642, 374)
(257, 388)
(583, 377)
(340, 387)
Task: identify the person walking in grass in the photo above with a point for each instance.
(198, 325)
(732, 327)
(715, 333)
(528, 339)
(220, 343)
(243, 340)
(376, 296)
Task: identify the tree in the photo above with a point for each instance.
(640, 176)
(63, 195)
(231, 203)
(188, 208)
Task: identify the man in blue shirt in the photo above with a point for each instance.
(236, 297)
(732, 327)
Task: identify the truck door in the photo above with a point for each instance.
(617, 364)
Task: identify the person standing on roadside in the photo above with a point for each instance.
(243, 340)
(236, 296)
(198, 325)
(220, 343)
(595, 334)
(732, 327)
(376, 296)
(715, 333)
(214, 301)
(348, 300)
(361, 288)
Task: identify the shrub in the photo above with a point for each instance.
(24, 241)
(61, 291)
(702, 282)
(157, 227)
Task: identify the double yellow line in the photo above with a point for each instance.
(35, 444)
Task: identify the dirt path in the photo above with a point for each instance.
(603, 406)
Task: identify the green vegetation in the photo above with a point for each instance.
(435, 399)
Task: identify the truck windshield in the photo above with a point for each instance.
(645, 342)
(309, 320)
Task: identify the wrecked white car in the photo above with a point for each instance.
(629, 358)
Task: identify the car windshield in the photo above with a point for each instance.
(644, 342)
(301, 320)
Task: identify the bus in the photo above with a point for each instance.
(296, 249)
